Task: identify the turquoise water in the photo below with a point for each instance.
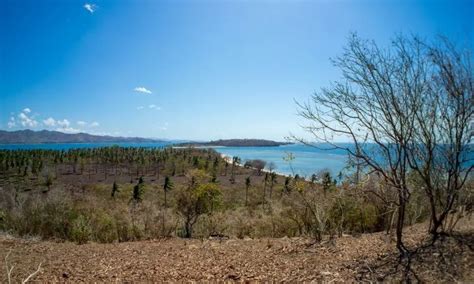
(308, 160)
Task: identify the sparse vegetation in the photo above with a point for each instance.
(78, 206)
(406, 110)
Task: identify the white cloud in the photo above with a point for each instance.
(11, 123)
(49, 122)
(140, 107)
(68, 130)
(82, 123)
(154, 107)
(142, 90)
(27, 121)
(90, 7)
(63, 123)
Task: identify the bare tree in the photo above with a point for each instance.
(374, 106)
(257, 164)
(406, 109)
(440, 150)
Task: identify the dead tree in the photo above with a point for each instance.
(375, 107)
(441, 151)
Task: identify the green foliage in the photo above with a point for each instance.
(105, 228)
(352, 214)
(137, 193)
(326, 181)
(197, 199)
(81, 231)
(168, 185)
(208, 198)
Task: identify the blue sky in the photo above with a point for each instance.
(189, 69)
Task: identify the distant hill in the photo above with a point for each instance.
(235, 143)
(46, 136)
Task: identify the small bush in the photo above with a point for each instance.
(105, 228)
(81, 231)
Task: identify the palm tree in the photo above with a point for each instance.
(273, 180)
(326, 181)
(138, 191)
(265, 180)
(287, 187)
(247, 186)
(167, 186)
(235, 161)
(115, 189)
(314, 178)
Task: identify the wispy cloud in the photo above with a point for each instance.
(142, 90)
(152, 106)
(140, 107)
(165, 126)
(90, 7)
(11, 123)
(82, 123)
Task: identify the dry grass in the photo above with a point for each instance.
(279, 259)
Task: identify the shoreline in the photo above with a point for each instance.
(228, 160)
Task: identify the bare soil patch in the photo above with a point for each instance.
(350, 258)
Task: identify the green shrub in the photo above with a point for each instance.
(105, 228)
(81, 231)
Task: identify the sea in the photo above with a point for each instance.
(306, 160)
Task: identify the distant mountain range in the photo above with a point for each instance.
(235, 143)
(46, 136)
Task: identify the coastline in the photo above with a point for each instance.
(228, 160)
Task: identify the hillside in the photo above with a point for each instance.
(236, 143)
(365, 258)
(119, 215)
(46, 136)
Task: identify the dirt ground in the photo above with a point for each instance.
(349, 258)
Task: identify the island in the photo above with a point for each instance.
(234, 143)
(46, 136)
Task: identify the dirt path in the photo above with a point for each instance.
(178, 259)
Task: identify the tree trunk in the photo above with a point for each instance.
(400, 222)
